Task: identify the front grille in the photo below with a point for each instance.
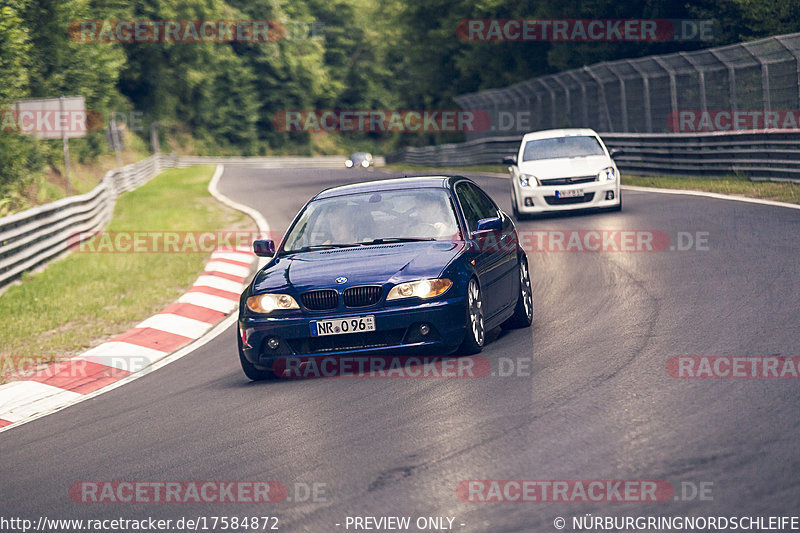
(362, 296)
(569, 181)
(552, 200)
(320, 300)
(349, 341)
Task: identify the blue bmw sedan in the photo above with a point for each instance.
(406, 265)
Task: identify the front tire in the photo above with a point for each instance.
(523, 311)
(249, 369)
(475, 334)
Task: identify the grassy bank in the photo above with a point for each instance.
(87, 298)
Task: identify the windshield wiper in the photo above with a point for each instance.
(397, 239)
(315, 247)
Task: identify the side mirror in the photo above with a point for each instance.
(614, 152)
(489, 224)
(510, 160)
(264, 248)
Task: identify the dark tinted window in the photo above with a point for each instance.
(475, 203)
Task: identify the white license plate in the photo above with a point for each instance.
(569, 193)
(340, 326)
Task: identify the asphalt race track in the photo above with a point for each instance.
(595, 401)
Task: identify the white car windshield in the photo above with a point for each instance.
(562, 147)
(374, 218)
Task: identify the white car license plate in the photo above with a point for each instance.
(340, 326)
(569, 193)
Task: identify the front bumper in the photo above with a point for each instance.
(396, 331)
(542, 199)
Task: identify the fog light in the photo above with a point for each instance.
(529, 201)
(609, 195)
(273, 343)
(424, 329)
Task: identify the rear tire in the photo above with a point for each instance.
(249, 369)
(475, 334)
(523, 311)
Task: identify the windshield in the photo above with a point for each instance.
(559, 147)
(373, 218)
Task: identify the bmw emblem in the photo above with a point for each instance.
(341, 279)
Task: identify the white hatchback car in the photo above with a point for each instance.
(561, 170)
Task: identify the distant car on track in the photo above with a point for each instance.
(562, 170)
(359, 159)
(400, 265)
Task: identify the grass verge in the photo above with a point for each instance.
(84, 299)
(735, 186)
(765, 190)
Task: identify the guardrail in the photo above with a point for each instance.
(31, 238)
(759, 155)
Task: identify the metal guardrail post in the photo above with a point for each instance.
(584, 99)
(602, 92)
(568, 109)
(648, 112)
(765, 94)
(553, 119)
(796, 55)
(623, 96)
(702, 79)
(673, 89)
(731, 78)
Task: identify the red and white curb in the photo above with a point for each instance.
(213, 296)
(148, 346)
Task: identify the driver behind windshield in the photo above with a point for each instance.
(343, 226)
(433, 218)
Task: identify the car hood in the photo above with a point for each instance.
(566, 167)
(360, 265)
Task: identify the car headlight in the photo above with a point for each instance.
(266, 303)
(527, 180)
(607, 174)
(424, 288)
(348, 163)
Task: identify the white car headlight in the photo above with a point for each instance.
(266, 303)
(527, 180)
(424, 288)
(607, 174)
